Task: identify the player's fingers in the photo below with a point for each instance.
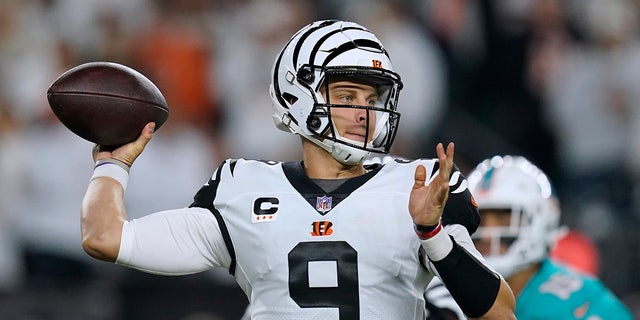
(130, 151)
(144, 138)
(450, 153)
(147, 131)
(445, 159)
(442, 156)
(100, 151)
(419, 177)
(442, 160)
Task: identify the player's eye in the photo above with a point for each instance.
(346, 98)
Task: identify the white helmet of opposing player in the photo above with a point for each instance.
(328, 50)
(513, 183)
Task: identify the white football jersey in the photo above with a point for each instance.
(299, 252)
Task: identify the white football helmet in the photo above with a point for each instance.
(513, 183)
(341, 50)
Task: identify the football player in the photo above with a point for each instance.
(325, 237)
(520, 224)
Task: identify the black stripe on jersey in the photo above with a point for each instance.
(232, 165)
(311, 191)
(204, 199)
(434, 169)
(422, 258)
(227, 240)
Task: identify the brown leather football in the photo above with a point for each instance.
(106, 103)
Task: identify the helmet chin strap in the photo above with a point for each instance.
(343, 153)
(348, 155)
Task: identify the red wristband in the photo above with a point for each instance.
(423, 235)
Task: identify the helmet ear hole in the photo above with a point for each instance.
(289, 98)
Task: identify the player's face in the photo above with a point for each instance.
(493, 220)
(351, 123)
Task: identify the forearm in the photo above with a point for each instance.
(102, 211)
(504, 305)
(479, 291)
(102, 218)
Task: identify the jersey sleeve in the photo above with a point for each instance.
(460, 207)
(173, 242)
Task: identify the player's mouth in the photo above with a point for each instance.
(355, 136)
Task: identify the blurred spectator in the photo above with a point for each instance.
(27, 68)
(42, 162)
(53, 162)
(590, 101)
(249, 35)
(485, 44)
(90, 27)
(27, 57)
(11, 264)
(175, 51)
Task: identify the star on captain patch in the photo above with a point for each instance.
(323, 204)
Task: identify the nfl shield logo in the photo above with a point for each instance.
(323, 204)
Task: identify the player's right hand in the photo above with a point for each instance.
(129, 152)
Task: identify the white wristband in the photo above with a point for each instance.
(112, 170)
(438, 246)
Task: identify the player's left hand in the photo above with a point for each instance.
(426, 202)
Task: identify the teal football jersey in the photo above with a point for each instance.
(557, 292)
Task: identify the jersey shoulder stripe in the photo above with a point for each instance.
(204, 199)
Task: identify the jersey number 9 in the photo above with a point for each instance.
(344, 296)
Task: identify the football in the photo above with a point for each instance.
(106, 103)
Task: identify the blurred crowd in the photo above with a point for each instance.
(556, 81)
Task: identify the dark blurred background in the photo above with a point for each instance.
(557, 81)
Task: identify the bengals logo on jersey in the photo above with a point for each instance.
(321, 228)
